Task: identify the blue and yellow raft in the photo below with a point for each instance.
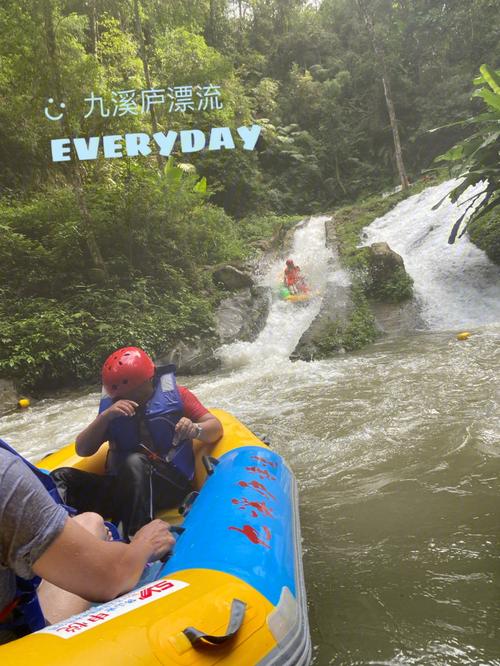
(235, 577)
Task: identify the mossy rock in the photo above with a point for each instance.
(396, 288)
(358, 331)
(231, 277)
(387, 279)
(485, 233)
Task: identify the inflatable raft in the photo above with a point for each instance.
(286, 295)
(298, 298)
(231, 593)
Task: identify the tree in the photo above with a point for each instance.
(378, 50)
(145, 63)
(76, 171)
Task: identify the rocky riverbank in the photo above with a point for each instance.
(242, 313)
(239, 316)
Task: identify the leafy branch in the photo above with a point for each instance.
(476, 159)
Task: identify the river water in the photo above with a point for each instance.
(395, 449)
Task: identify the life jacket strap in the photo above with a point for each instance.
(7, 610)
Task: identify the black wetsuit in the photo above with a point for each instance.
(132, 496)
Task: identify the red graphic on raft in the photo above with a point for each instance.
(251, 534)
(161, 586)
(259, 487)
(263, 461)
(256, 506)
(263, 473)
(74, 627)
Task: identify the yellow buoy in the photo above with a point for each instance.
(465, 335)
(23, 403)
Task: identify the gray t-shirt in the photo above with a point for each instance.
(29, 521)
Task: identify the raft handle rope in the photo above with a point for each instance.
(177, 529)
(199, 638)
(210, 463)
(263, 438)
(188, 503)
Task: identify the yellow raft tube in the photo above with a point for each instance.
(298, 298)
(233, 591)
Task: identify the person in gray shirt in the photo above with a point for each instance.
(77, 563)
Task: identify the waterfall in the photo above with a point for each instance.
(456, 285)
(287, 321)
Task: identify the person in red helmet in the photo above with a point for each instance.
(150, 424)
(290, 276)
(300, 281)
(293, 279)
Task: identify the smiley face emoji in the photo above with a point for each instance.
(48, 115)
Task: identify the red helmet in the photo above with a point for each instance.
(126, 369)
(289, 262)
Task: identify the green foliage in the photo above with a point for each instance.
(48, 343)
(476, 158)
(236, 181)
(397, 288)
(291, 158)
(41, 250)
(256, 228)
(304, 69)
(358, 331)
(157, 234)
(361, 329)
(484, 231)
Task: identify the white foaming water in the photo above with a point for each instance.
(456, 285)
(287, 321)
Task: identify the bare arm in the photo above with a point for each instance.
(212, 429)
(90, 439)
(79, 562)
(212, 432)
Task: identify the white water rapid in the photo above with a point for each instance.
(395, 449)
(456, 285)
(287, 321)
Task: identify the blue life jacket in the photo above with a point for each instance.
(162, 412)
(43, 476)
(28, 614)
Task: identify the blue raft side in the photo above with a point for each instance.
(222, 526)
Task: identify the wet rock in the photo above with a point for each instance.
(8, 396)
(383, 262)
(336, 307)
(387, 280)
(334, 314)
(238, 317)
(397, 318)
(261, 245)
(284, 238)
(331, 236)
(242, 316)
(232, 278)
(193, 358)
